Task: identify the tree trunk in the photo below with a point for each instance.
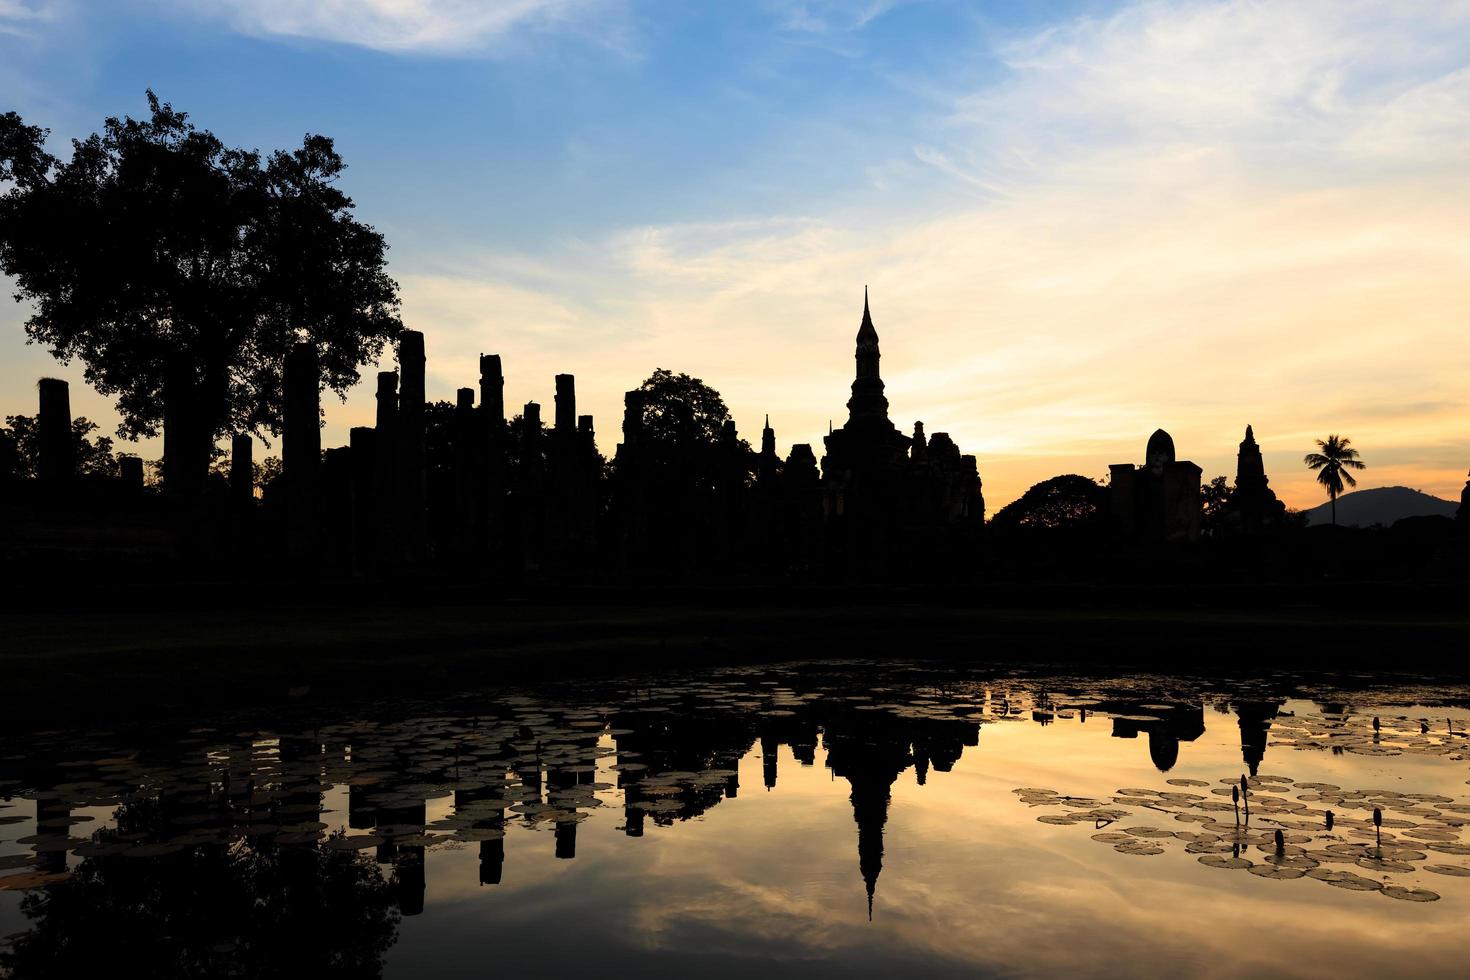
(1334, 509)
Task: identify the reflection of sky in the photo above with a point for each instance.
(1081, 219)
(971, 883)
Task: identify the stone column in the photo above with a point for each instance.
(57, 463)
(130, 471)
(531, 489)
(493, 477)
(467, 448)
(362, 443)
(385, 471)
(566, 405)
(387, 417)
(301, 447)
(242, 469)
(412, 490)
(633, 404)
(492, 391)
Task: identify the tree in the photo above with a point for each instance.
(682, 483)
(1062, 503)
(683, 418)
(1334, 465)
(1215, 502)
(181, 271)
(93, 458)
(214, 910)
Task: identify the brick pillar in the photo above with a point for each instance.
(412, 491)
(385, 470)
(633, 404)
(362, 442)
(566, 406)
(492, 530)
(301, 447)
(492, 390)
(467, 453)
(58, 462)
(242, 469)
(130, 471)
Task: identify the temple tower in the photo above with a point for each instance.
(1254, 503)
(1158, 501)
(867, 399)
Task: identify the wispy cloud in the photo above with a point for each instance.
(1194, 215)
(435, 26)
(21, 17)
(823, 16)
(1189, 214)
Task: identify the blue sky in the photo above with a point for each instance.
(1080, 220)
(549, 128)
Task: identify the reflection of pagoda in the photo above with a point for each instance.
(1255, 723)
(871, 763)
(1181, 724)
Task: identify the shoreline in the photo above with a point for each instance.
(120, 660)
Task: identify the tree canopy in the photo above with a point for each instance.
(1062, 503)
(1215, 498)
(681, 414)
(21, 445)
(180, 272)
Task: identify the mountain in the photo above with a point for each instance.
(1381, 505)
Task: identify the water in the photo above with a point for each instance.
(830, 820)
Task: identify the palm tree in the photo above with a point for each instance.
(1333, 464)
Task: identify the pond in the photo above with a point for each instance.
(832, 819)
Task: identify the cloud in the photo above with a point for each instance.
(435, 26)
(823, 16)
(20, 17)
(1194, 215)
(1303, 85)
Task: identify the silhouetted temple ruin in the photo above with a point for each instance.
(1253, 504)
(460, 486)
(884, 493)
(1160, 500)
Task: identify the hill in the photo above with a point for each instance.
(1381, 505)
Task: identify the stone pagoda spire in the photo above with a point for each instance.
(867, 400)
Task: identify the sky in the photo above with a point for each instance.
(1078, 221)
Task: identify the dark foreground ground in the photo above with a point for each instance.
(66, 660)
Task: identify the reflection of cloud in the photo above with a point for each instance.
(972, 885)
